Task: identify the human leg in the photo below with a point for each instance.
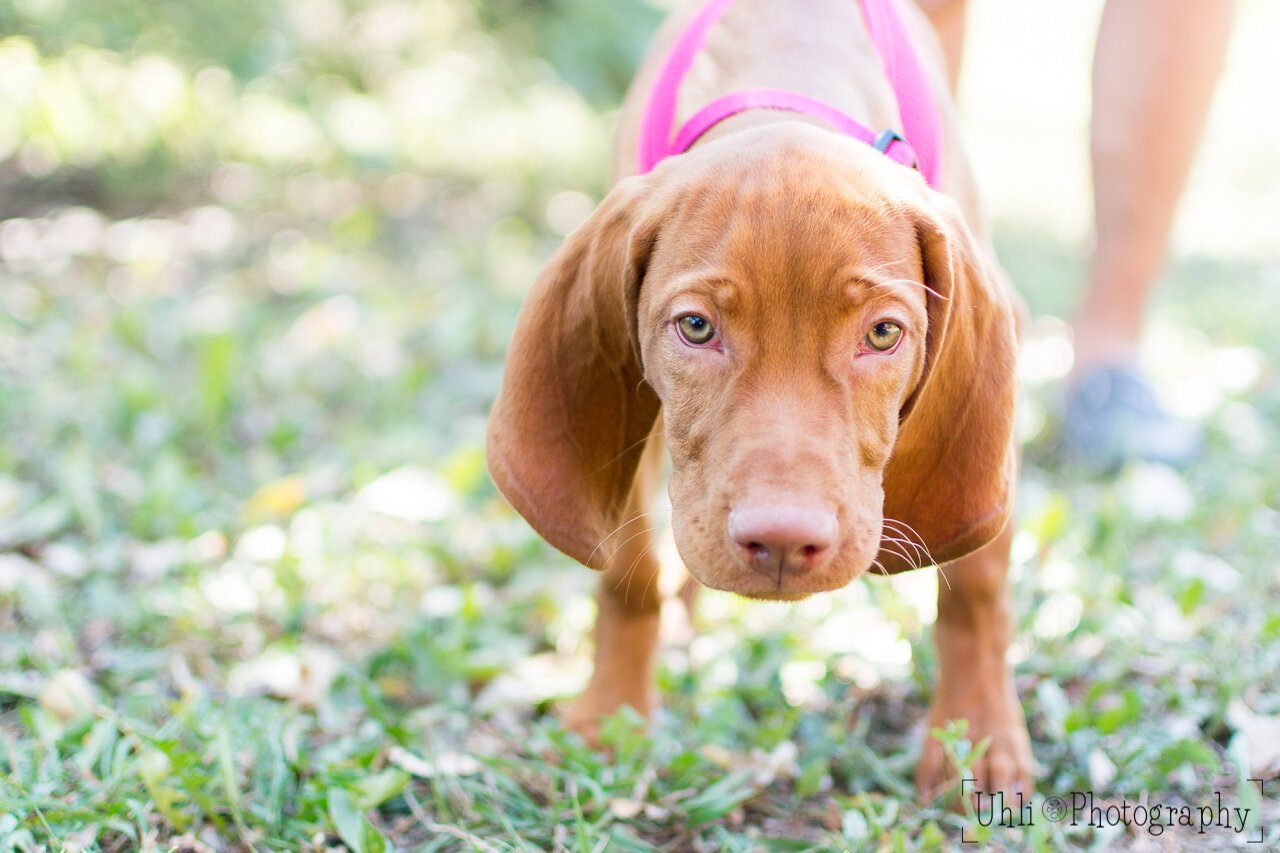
(1154, 73)
(1155, 69)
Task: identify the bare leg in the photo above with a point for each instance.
(947, 18)
(975, 682)
(629, 606)
(1154, 73)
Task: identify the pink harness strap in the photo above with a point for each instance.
(916, 104)
(779, 99)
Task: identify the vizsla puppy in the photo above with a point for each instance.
(819, 337)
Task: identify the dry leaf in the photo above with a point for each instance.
(1263, 736)
(68, 695)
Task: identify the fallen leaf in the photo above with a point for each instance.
(446, 763)
(68, 695)
(1263, 736)
(624, 808)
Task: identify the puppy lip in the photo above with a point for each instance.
(777, 596)
(793, 588)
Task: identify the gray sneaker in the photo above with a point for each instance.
(1112, 417)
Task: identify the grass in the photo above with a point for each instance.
(256, 591)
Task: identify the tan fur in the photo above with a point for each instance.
(794, 241)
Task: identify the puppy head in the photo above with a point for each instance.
(832, 361)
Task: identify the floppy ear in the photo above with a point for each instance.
(951, 475)
(569, 424)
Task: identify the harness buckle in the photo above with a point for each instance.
(889, 136)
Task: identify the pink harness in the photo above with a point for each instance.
(916, 104)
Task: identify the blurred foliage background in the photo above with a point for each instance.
(259, 262)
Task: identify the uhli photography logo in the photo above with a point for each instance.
(1084, 809)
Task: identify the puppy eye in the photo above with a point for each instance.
(884, 336)
(696, 330)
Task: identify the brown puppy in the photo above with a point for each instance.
(822, 342)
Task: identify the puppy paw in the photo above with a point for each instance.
(1006, 765)
(587, 712)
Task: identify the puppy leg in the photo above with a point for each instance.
(975, 682)
(629, 604)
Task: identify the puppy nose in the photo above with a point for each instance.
(782, 538)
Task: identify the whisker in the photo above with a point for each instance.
(626, 594)
(630, 447)
(631, 571)
(910, 533)
(635, 516)
(901, 552)
(629, 574)
(919, 553)
(868, 273)
(910, 281)
(639, 532)
(944, 577)
(653, 577)
(916, 556)
(630, 518)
